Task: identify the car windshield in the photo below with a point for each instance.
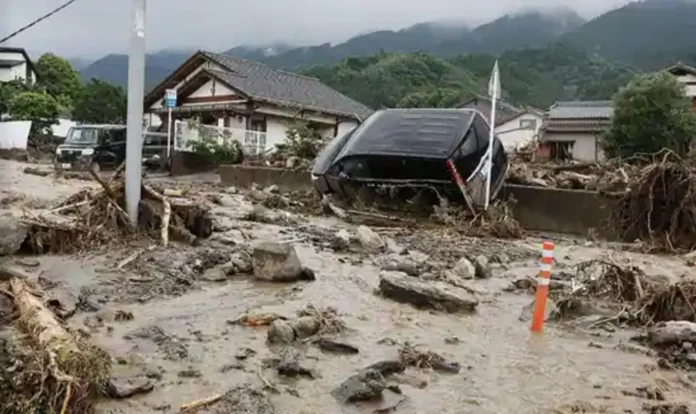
(83, 136)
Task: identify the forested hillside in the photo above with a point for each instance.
(535, 77)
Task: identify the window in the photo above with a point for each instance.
(528, 124)
(560, 150)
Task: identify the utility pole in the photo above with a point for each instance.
(136, 87)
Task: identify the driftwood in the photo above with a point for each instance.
(166, 214)
(74, 372)
(195, 405)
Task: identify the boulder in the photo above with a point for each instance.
(672, 333)
(436, 295)
(341, 240)
(12, 234)
(276, 262)
(280, 332)
(364, 386)
(369, 239)
(464, 269)
(482, 267)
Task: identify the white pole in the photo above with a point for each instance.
(169, 133)
(491, 136)
(136, 86)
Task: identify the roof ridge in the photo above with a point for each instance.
(255, 62)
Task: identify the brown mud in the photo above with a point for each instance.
(170, 319)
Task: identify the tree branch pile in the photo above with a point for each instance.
(660, 206)
(643, 300)
(611, 177)
(92, 218)
(60, 373)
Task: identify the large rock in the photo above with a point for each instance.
(369, 239)
(277, 262)
(483, 268)
(437, 295)
(280, 332)
(464, 269)
(672, 333)
(12, 234)
(365, 386)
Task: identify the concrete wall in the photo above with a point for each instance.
(559, 211)
(14, 135)
(689, 82)
(244, 176)
(185, 163)
(18, 72)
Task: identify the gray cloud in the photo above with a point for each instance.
(98, 27)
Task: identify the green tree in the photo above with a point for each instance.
(38, 107)
(8, 90)
(58, 77)
(101, 102)
(651, 113)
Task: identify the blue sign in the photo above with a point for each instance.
(170, 98)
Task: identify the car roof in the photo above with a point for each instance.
(100, 126)
(424, 133)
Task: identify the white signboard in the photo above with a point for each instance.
(170, 98)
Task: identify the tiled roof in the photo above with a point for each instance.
(483, 104)
(680, 67)
(262, 83)
(581, 110)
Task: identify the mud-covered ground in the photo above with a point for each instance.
(168, 318)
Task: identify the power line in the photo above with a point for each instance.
(40, 19)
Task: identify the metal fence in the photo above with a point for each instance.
(185, 134)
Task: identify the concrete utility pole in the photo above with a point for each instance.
(136, 87)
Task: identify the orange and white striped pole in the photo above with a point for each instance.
(542, 290)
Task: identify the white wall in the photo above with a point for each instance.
(510, 134)
(585, 144)
(14, 134)
(62, 128)
(276, 129)
(14, 72)
(211, 88)
(690, 90)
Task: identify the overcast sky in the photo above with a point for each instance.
(97, 27)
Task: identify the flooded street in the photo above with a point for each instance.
(180, 336)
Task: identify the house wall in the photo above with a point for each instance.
(585, 144)
(512, 136)
(689, 82)
(209, 89)
(14, 72)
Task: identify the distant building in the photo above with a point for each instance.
(572, 130)
(686, 75)
(15, 65)
(252, 99)
(514, 126)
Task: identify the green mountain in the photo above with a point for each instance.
(650, 34)
(535, 77)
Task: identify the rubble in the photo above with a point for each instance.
(410, 356)
(436, 295)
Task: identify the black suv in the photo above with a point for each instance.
(99, 146)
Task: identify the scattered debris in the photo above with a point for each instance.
(410, 356)
(336, 347)
(436, 295)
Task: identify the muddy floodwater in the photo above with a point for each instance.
(179, 336)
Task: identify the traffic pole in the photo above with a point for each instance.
(136, 87)
(542, 290)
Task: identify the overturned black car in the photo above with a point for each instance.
(410, 150)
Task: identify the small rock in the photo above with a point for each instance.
(337, 347)
(271, 189)
(12, 234)
(452, 340)
(464, 269)
(276, 262)
(128, 387)
(405, 266)
(388, 367)
(482, 267)
(189, 373)
(341, 240)
(436, 295)
(528, 310)
(216, 274)
(237, 366)
(304, 327)
(280, 332)
(369, 239)
(687, 346)
(242, 261)
(501, 258)
(290, 366)
(364, 386)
